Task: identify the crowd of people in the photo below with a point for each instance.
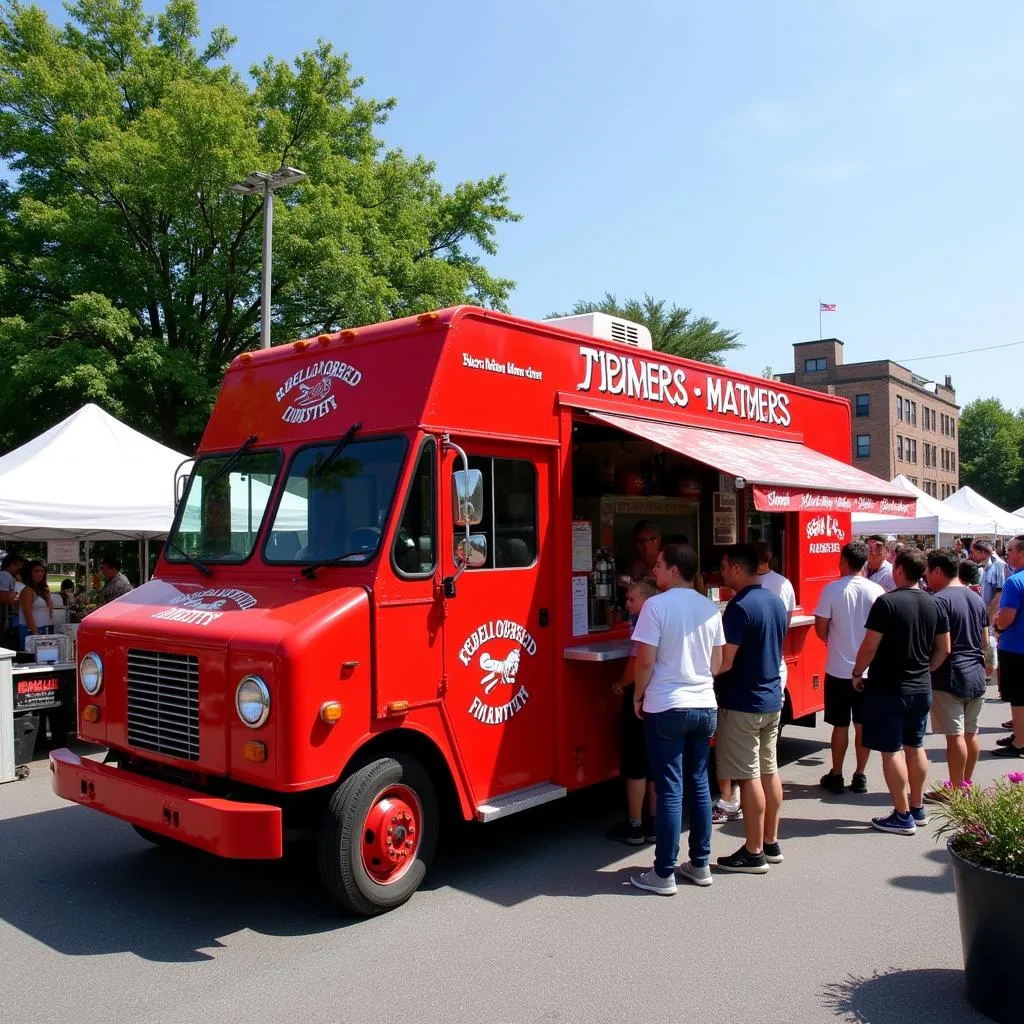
(27, 603)
(907, 637)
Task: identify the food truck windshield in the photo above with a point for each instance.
(333, 504)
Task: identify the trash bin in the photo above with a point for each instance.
(26, 728)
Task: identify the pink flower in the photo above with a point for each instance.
(1015, 776)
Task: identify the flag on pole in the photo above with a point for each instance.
(826, 307)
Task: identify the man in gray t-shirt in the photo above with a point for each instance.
(117, 584)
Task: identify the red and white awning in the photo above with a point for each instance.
(785, 476)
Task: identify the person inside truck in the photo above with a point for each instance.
(647, 541)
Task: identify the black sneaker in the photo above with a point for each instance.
(744, 862)
(1008, 725)
(624, 832)
(773, 853)
(832, 782)
(859, 783)
(1005, 741)
(649, 830)
(1009, 751)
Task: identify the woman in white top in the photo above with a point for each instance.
(35, 603)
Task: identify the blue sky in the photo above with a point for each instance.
(743, 158)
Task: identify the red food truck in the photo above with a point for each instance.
(392, 585)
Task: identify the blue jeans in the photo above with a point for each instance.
(678, 744)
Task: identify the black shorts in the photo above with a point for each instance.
(1011, 678)
(842, 702)
(893, 721)
(633, 761)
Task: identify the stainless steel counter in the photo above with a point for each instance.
(600, 650)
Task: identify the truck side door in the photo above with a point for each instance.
(498, 632)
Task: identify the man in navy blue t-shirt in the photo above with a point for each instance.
(750, 706)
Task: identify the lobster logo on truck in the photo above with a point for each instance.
(496, 649)
(310, 392)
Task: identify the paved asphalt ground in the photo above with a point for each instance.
(530, 919)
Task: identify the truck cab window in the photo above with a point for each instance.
(415, 541)
(220, 514)
(510, 512)
(336, 509)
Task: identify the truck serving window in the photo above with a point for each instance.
(221, 513)
(415, 541)
(335, 510)
(509, 514)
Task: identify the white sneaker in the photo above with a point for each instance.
(689, 872)
(651, 881)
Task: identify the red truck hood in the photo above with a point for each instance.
(265, 611)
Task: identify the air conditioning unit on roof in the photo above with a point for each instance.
(606, 327)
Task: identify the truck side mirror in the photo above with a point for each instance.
(467, 497)
(472, 553)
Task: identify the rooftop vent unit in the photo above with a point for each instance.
(607, 328)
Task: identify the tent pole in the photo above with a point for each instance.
(145, 549)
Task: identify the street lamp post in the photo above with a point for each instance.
(265, 183)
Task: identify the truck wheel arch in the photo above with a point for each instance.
(423, 749)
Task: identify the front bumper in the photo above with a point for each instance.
(226, 828)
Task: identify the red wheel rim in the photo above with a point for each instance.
(391, 834)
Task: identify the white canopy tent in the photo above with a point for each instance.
(999, 522)
(934, 518)
(1019, 511)
(90, 478)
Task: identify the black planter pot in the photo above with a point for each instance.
(990, 905)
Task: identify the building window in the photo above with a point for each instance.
(509, 511)
(863, 446)
(913, 480)
(863, 405)
(912, 454)
(899, 407)
(952, 428)
(814, 365)
(913, 414)
(899, 447)
(952, 462)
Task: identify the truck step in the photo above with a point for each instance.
(520, 800)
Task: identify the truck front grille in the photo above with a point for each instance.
(163, 703)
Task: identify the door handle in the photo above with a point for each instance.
(543, 617)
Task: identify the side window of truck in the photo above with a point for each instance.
(416, 539)
(510, 512)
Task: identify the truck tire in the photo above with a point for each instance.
(378, 835)
(164, 842)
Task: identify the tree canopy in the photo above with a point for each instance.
(673, 328)
(131, 272)
(992, 451)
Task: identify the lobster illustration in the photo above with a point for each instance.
(499, 671)
(315, 394)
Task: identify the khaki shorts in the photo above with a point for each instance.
(953, 716)
(745, 744)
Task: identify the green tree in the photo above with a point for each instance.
(131, 272)
(992, 451)
(673, 328)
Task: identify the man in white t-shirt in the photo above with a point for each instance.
(777, 584)
(680, 644)
(839, 620)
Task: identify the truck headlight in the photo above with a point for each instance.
(90, 672)
(252, 701)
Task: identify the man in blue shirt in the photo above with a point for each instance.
(1010, 623)
(750, 706)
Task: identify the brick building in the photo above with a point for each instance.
(902, 423)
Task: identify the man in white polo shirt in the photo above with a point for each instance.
(839, 620)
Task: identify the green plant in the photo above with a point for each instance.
(986, 826)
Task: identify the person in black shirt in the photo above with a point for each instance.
(907, 639)
(958, 685)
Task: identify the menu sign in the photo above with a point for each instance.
(724, 518)
(789, 499)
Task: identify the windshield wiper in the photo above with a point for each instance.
(232, 459)
(191, 559)
(310, 571)
(322, 463)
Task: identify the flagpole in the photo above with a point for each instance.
(820, 334)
